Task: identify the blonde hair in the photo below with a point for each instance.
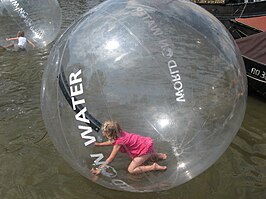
(112, 129)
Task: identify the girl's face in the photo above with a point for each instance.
(104, 133)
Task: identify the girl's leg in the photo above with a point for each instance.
(9, 46)
(136, 166)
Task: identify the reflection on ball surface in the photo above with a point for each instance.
(164, 69)
(39, 19)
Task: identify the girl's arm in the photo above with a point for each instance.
(13, 38)
(112, 155)
(107, 143)
(114, 152)
(32, 44)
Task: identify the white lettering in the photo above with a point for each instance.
(76, 102)
(28, 21)
(99, 157)
(147, 19)
(76, 89)
(255, 71)
(176, 78)
(84, 135)
(81, 116)
(74, 78)
(166, 52)
(123, 185)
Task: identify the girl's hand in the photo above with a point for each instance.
(96, 171)
(97, 144)
(7, 39)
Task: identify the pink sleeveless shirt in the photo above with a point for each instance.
(134, 145)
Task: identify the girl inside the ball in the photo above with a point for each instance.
(22, 42)
(138, 148)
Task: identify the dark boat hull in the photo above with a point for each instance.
(239, 30)
(256, 73)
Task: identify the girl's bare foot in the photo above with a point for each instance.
(158, 167)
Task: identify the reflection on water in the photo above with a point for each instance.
(31, 167)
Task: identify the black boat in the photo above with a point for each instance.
(227, 11)
(246, 21)
(253, 50)
(251, 40)
(239, 28)
(230, 9)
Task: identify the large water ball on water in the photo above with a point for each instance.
(164, 69)
(39, 19)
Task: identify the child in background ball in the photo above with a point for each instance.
(137, 147)
(22, 42)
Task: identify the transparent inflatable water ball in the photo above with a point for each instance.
(164, 69)
(39, 19)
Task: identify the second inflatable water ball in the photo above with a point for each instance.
(164, 69)
(40, 20)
